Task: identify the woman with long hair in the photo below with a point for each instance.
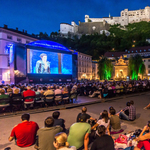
(104, 121)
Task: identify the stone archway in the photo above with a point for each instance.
(121, 69)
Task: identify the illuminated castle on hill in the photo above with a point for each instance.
(100, 25)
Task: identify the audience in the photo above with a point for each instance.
(60, 142)
(103, 141)
(45, 136)
(29, 97)
(144, 138)
(24, 133)
(115, 124)
(103, 121)
(84, 110)
(79, 133)
(59, 121)
(132, 112)
(51, 137)
(49, 91)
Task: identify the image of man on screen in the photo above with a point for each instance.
(43, 66)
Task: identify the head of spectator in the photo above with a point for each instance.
(9, 90)
(84, 110)
(48, 88)
(101, 130)
(131, 102)
(35, 89)
(60, 140)
(112, 112)
(56, 114)
(82, 118)
(25, 117)
(16, 91)
(2, 91)
(128, 104)
(65, 89)
(110, 108)
(105, 115)
(28, 87)
(49, 122)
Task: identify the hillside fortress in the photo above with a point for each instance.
(100, 25)
(125, 18)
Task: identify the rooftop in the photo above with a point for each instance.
(48, 44)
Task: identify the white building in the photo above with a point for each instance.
(7, 38)
(84, 66)
(125, 18)
(66, 29)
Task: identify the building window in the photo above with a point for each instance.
(148, 71)
(148, 66)
(9, 37)
(18, 39)
(149, 60)
(27, 42)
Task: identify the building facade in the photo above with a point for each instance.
(124, 56)
(84, 66)
(125, 17)
(8, 37)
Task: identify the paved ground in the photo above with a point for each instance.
(9, 120)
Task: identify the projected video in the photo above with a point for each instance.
(43, 62)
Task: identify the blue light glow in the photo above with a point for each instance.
(49, 44)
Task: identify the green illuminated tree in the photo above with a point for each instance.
(105, 69)
(136, 66)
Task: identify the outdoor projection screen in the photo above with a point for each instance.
(46, 62)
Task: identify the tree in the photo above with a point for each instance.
(105, 68)
(136, 66)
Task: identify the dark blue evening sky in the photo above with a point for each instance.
(46, 15)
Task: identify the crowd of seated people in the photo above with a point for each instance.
(27, 95)
(53, 136)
